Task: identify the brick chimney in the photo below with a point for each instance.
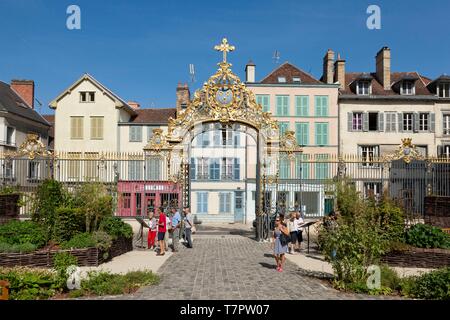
(134, 104)
(383, 62)
(250, 70)
(339, 72)
(328, 69)
(183, 96)
(25, 89)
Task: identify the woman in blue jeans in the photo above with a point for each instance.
(279, 249)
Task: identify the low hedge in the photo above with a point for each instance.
(22, 232)
(434, 285)
(426, 236)
(116, 227)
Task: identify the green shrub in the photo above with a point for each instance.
(103, 241)
(95, 203)
(116, 227)
(364, 230)
(434, 285)
(68, 223)
(61, 261)
(105, 283)
(21, 232)
(17, 248)
(29, 284)
(427, 236)
(49, 196)
(81, 240)
(390, 278)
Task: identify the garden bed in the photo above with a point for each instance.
(86, 256)
(418, 258)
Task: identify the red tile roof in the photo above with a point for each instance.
(156, 116)
(377, 88)
(289, 71)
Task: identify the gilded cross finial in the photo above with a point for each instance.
(224, 47)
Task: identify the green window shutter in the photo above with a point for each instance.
(318, 134)
(279, 105)
(323, 106)
(266, 103)
(301, 132)
(301, 106)
(432, 118)
(318, 106)
(286, 106)
(284, 126)
(325, 134)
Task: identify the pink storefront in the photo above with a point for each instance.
(135, 198)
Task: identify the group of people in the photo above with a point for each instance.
(287, 237)
(162, 226)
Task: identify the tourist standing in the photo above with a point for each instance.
(153, 228)
(188, 224)
(168, 226)
(298, 222)
(176, 224)
(292, 227)
(162, 229)
(280, 247)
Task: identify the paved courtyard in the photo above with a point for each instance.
(230, 266)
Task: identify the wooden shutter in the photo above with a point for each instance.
(365, 121)
(380, 121)
(432, 125)
(415, 122)
(350, 121)
(400, 122)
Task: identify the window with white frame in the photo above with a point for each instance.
(202, 168)
(408, 121)
(372, 189)
(363, 87)
(407, 87)
(368, 154)
(357, 121)
(203, 139)
(214, 169)
(445, 151)
(444, 90)
(135, 133)
(296, 79)
(282, 79)
(225, 202)
(424, 121)
(227, 169)
(446, 124)
(33, 170)
(87, 96)
(202, 202)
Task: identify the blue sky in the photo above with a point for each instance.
(142, 49)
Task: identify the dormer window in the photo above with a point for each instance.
(282, 79)
(443, 90)
(407, 88)
(363, 87)
(296, 79)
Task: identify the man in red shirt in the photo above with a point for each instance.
(162, 228)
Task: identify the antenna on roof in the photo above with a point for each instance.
(276, 56)
(192, 72)
(40, 105)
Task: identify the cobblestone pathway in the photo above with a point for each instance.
(234, 267)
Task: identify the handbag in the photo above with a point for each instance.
(285, 239)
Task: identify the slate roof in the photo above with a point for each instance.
(11, 102)
(377, 88)
(154, 115)
(289, 71)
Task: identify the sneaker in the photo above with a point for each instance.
(280, 269)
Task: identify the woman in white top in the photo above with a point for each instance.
(299, 221)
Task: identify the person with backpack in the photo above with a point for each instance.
(280, 242)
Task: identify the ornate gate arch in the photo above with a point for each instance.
(226, 101)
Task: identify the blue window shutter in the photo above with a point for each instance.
(318, 106)
(237, 169)
(324, 106)
(305, 133)
(318, 134)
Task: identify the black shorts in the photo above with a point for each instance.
(161, 236)
(294, 237)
